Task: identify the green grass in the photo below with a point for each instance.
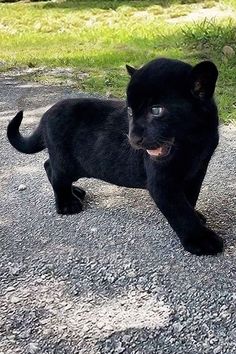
(100, 37)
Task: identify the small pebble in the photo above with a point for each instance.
(217, 350)
(10, 288)
(62, 328)
(108, 328)
(111, 279)
(25, 334)
(22, 187)
(15, 270)
(15, 299)
(68, 307)
(100, 325)
(228, 51)
(177, 327)
(120, 349)
(33, 348)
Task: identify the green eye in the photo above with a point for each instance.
(157, 111)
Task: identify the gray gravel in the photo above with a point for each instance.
(113, 279)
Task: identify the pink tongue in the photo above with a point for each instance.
(156, 152)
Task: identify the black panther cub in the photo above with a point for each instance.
(161, 139)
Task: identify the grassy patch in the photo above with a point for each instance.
(206, 41)
(99, 37)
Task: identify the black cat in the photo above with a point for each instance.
(161, 139)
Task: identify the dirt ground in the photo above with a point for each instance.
(113, 279)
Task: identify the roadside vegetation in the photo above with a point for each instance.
(97, 38)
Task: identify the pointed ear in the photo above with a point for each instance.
(130, 70)
(203, 79)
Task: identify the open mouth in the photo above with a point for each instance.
(163, 150)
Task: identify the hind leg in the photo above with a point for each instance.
(66, 201)
(77, 191)
(67, 197)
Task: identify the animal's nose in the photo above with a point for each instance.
(136, 139)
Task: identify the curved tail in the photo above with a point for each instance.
(28, 145)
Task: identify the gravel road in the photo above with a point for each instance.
(113, 279)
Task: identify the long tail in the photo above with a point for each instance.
(28, 145)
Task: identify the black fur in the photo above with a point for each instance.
(163, 142)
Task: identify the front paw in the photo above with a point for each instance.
(206, 242)
(73, 206)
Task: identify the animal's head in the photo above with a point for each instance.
(168, 101)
